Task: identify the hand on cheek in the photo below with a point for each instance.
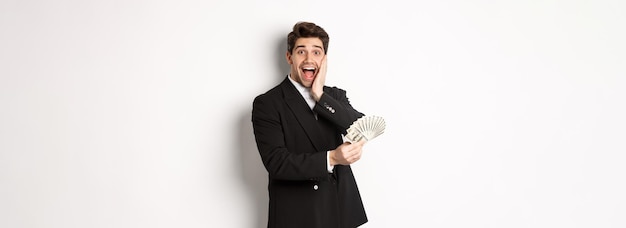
(317, 89)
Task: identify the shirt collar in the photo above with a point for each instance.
(305, 92)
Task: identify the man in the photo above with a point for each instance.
(298, 126)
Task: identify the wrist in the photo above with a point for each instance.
(317, 95)
(331, 158)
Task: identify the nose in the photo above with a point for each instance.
(308, 58)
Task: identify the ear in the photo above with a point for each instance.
(288, 57)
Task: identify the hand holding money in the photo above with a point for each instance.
(346, 153)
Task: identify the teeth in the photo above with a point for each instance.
(308, 68)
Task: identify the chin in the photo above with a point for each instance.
(307, 83)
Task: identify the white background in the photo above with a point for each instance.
(137, 113)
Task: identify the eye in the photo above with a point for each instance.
(300, 52)
(316, 52)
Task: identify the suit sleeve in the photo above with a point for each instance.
(270, 140)
(335, 106)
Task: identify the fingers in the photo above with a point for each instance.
(351, 152)
(360, 142)
(317, 88)
(348, 153)
(357, 150)
(354, 157)
(323, 69)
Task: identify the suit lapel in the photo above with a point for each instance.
(303, 113)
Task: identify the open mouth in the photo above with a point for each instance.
(309, 72)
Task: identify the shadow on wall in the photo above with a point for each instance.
(281, 62)
(253, 173)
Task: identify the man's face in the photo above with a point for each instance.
(305, 60)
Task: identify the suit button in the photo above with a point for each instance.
(315, 187)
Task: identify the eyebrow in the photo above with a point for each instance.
(302, 46)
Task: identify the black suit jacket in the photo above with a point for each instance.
(293, 144)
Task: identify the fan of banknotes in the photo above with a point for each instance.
(366, 127)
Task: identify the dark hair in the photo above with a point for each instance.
(306, 30)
